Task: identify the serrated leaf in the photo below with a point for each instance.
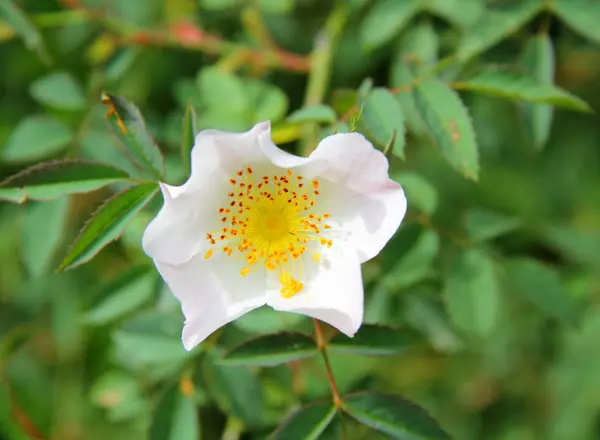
(59, 90)
(385, 20)
(128, 126)
(512, 85)
(50, 180)
(23, 27)
(402, 77)
(394, 416)
(124, 294)
(581, 16)
(271, 350)
(539, 61)
(416, 264)
(494, 26)
(36, 137)
(471, 292)
(175, 417)
(42, 233)
(316, 113)
(420, 45)
(450, 125)
(374, 340)
(107, 223)
(307, 423)
(483, 225)
(541, 286)
(382, 120)
(188, 137)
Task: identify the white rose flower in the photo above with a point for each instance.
(254, 225)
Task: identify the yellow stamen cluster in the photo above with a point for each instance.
(271, 220)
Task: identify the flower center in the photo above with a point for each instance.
(271, 221)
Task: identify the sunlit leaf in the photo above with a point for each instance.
(47, 181)
(128, 126)
(107, 223)
(35, 138)
(539, 60)
(188, 136)
(317, 113)
(59, 90)
(307, 423)
(471, 292)
(374, 340)
(581, 16)
(541, 286)
(382, 120)
(385, 20)
(450, 125)
(394, 416)
(512, 85)
(271, 350)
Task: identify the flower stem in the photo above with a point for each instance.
(322, 346)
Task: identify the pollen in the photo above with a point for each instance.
(275, 222)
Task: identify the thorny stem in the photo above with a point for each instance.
(322, 346)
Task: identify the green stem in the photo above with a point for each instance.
(320, 69)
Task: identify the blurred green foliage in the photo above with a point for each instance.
(492, 282)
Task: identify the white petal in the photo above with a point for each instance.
(358, 192)
(333, 294)
(177, 233)
(212, 293)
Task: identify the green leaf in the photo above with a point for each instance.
(307, 423)
(385, 20)
(483, 225)
(402, 77)
(17, 19)
(374, 340)
(539, 60)
(236, 390)
(461, 13)
(35, 138)
(42, 233)
(271, 350)
(394, 416)
(471, 292)
(124, 294)
(120, 394)
(581, 16)
(150, 343)
(59, 90)
(175, 417)
(107, 223)
(421, 193)
(494, 26)
(416, 264)
(420, 45)
(270, 102)
(128, 126)
(218, 86)
(512, 85)
(450, 125)
(382, 119)
(316, 113)
(542, 287)
(47, 181)
(188, 137)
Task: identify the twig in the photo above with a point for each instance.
(322, 346)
